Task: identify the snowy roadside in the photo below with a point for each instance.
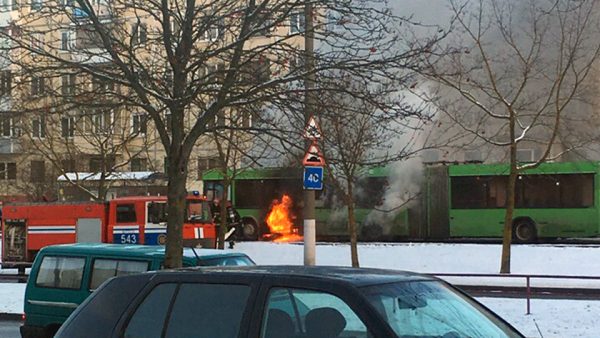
(549, 318)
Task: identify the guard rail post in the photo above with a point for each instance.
(528, 295)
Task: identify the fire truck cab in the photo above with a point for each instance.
(28, 227)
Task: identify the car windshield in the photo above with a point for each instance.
(431, 309)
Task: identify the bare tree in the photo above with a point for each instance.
(237, 149)
(183, 62)
(94, 142)
(359, 134)
(510, 75)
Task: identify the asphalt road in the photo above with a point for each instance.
(10, 328)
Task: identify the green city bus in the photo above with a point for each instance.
(253, 191)
(554, 200)
(457, 201)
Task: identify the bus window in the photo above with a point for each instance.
(478, 192)
(555, 191)
(197, 211)
(157, 212)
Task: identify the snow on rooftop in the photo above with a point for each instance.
(114, 176)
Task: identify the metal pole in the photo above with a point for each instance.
(309, 83)
(528, 295)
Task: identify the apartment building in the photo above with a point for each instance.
(65, 106)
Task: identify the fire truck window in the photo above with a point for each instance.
(157, 213)
(126, 213)
(104, 269)
(60, 272)
(196, 211)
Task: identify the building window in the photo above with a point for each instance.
(246, 119)
(297, 22)
(5, 82)
(525, 155)
(68, 84)
(66, 40)
(257, 71)
(102, 164)
(6, 5)
(139, 164)
(6, 127)
(38, 171)
(139, 124)
(38, 86)
(36, 5)
(67, 127)
(37, 40)
(68, 166)
(215, 31)
(38, 127)
(265, 24)
(102, 85)
(214, 72)
(473, 156)
(102, 122)
(139, 34)
(8, 171)
(206, 163)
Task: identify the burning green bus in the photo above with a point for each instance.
(253, 191)
(456, 201)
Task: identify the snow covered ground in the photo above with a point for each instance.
(549, 318)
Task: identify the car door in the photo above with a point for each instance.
(185, 305)
(301, 307)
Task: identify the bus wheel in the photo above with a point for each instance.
(524, 231)
(249, 230)
(372, 232)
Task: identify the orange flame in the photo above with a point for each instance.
(280, 221)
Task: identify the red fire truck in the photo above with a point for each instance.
(27, 227)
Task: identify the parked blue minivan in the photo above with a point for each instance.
(63, 276)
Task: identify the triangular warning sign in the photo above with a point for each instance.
(312, 130)
(313, 157)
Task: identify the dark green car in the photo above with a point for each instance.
(63, 276)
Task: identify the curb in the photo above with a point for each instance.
(11, 316)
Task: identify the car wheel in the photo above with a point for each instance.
(524, 231)
(249, 230)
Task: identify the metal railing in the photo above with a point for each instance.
(529, 289)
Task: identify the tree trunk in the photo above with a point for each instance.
(223, 216)
(176, 204)
(352, 228)
(510, 201)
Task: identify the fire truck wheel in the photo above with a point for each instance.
(250, 230)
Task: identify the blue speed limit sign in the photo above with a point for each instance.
(313, 178)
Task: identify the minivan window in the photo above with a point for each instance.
(104, 269)
(126, 213)
(60, 272)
